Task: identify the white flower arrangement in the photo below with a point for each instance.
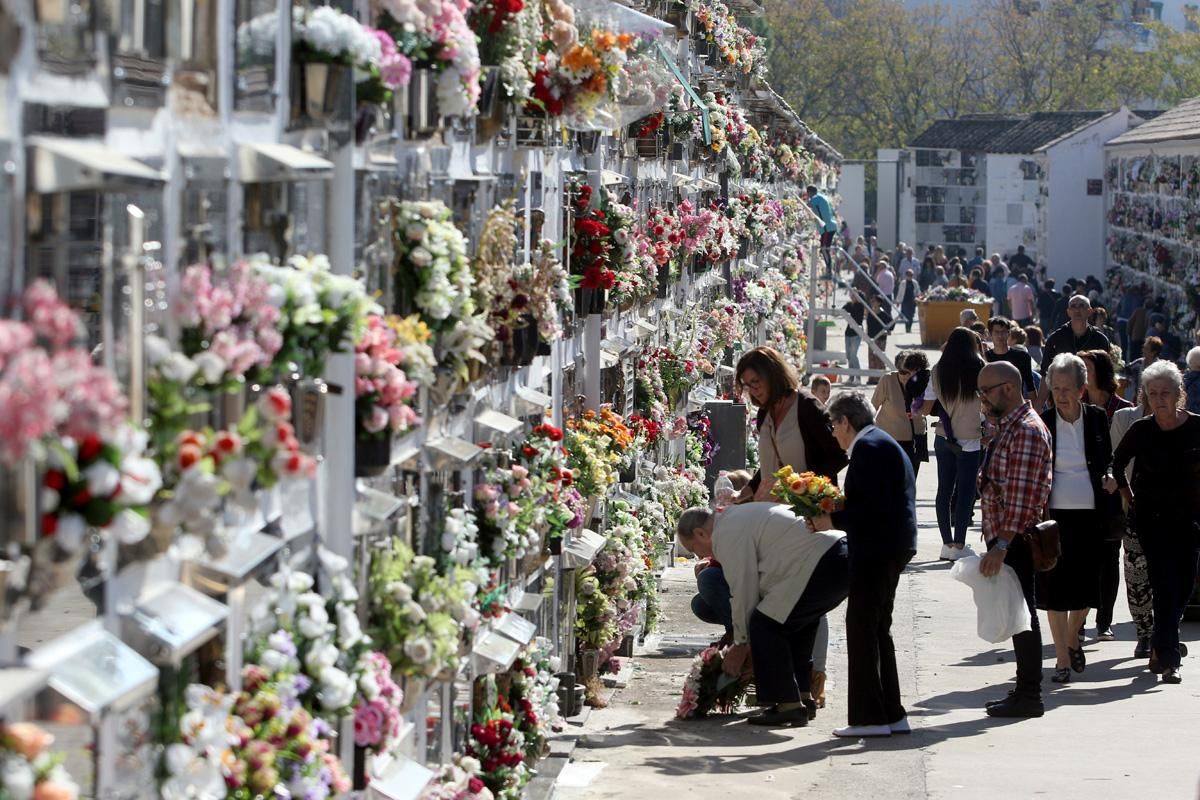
(336, 35)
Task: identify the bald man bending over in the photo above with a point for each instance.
(1014, 487)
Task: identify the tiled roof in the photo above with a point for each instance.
(1004, 134)
(965, 133)
(1042, 128)
(1181, 122)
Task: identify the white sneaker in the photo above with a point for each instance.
(900, 726)
(947, 553)
(966, 552)
(863, 731)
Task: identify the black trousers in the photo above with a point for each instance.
(1027, 645)
(1172, 556)
(1110, 582)
(873, 683)
(910, 449)
(782, 651)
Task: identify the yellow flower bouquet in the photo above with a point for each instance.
(808, 494)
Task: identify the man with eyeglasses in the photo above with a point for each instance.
(1014, 487)
(1078, 334)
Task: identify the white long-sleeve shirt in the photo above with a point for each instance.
(768, 555)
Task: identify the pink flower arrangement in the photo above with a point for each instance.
(384, 394)
(695, 226)
(377, 716)
(29, 770)
(47, 386)
(395, 68)
(233, 317)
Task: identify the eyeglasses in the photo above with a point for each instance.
(983, 390)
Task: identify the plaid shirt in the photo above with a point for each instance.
(1015, 479)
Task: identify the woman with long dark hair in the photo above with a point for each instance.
(951, 396)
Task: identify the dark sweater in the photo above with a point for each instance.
(1166, 473)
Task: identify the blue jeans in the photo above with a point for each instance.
(853, 340)
(711, 602)
(956, 470)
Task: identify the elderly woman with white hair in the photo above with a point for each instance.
(1083, 485)
(1163, 501)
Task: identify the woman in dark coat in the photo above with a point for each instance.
(1081, 500)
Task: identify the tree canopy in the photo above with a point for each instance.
(873, 73)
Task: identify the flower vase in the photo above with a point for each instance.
(664, 282)
(589, 301)
(628, 474)
(321, 93)
(555, 544)
(423, 117)
(492, 108)
(589, 665)
(744, 247)
(308, 413)
(372, 455)
(587, 141)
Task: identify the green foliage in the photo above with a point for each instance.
(873, 74)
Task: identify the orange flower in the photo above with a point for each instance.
(827, 505)
(581, 59)
(604, 40)
(598, 83)
(625, 41)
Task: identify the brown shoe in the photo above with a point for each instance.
(818, 688)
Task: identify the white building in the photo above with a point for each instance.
(1000, 181)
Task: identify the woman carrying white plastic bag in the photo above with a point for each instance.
(1001, 604)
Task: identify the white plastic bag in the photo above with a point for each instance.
(999, 599)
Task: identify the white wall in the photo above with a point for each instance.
(852, 189)
(1007, 187)
(885, 197)
(1075, 221)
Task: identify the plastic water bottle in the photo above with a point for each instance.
(723, 491)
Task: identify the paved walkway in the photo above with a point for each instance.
(1113, 733)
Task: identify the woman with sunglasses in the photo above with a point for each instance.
(951, 395)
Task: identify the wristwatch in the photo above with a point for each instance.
(1002, 544)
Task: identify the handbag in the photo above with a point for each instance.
(1045, 543)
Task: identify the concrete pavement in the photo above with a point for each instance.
(1113, 732)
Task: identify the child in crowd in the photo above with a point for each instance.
(821, 388)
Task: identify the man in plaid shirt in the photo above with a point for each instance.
(1014, 487)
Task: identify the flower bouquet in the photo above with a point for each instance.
(230, 324)
(499, 747)
(320, 312)
(383, 393)
(419, 618)
(436, 281)
(809, 495)
(511, 520)
(257, 744)
(546, 287)
(708, 689)
(952, 294)
(435, 35)
(309, 644)
(590, 244)
(27, 768)
(378, 712)
(458, 780)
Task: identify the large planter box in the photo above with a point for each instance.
(940, 317)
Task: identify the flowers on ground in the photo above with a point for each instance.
(707, 689)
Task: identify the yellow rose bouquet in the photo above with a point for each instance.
(808, 494)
